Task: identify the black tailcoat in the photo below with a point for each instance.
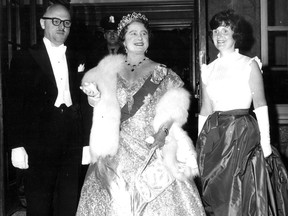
(50, 135)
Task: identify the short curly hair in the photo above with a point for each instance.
(228, 18)
(124, 30)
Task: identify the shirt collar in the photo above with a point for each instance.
(230, 55)
(55, 49)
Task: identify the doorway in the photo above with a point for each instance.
(179, 36)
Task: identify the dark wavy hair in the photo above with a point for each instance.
(228, 18)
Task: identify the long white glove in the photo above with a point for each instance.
(86, 158)
(92, 93)
(201, 121)
(19, 158)
(263, 123)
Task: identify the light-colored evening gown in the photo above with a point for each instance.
(177, 198)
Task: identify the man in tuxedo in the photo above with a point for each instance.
(45, 118)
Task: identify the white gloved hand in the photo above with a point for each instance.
(201, 121)
(86, 158)
(19, 158)
(263, 123)
(92, 92)
(90, 89)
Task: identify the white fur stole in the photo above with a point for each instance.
(104, 135)
(178, 153)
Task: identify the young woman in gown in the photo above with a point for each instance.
(142, 162)
(232, 145)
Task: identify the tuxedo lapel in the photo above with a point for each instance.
(70, 66)
(41, 57)
(74, 76)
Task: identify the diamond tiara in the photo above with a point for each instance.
(130, 18)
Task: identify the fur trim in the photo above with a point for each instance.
(173, 105)
(104, 135)
(178, 153)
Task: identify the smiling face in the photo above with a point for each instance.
(136, 38)
(56, 34)
(223, 39)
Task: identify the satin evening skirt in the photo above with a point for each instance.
(233, 178)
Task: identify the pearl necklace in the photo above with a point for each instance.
(134, 66)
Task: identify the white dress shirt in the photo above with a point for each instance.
(60, 69)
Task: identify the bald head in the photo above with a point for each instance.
(57, 34)
(54, 8)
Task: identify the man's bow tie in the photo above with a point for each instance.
(60, 50)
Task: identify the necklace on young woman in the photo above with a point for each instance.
(134, 66)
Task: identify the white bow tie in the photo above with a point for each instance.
(59, 51)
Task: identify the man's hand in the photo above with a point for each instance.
(19, 158)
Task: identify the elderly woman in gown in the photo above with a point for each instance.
(142, 161)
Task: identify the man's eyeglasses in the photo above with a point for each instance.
(57, 22)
